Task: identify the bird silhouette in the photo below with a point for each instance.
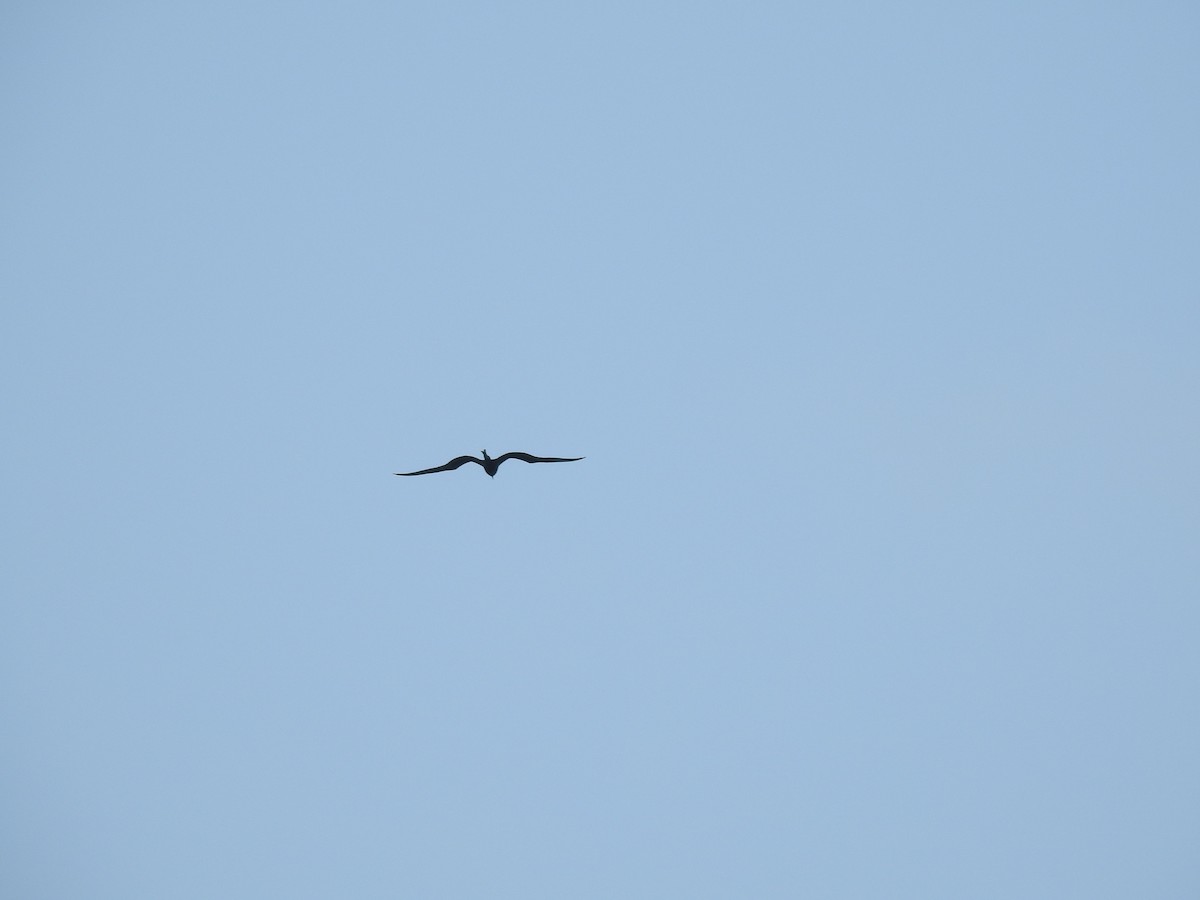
(491, 465)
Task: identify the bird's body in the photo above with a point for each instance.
(489, 464)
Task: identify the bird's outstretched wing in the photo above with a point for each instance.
(525, 457)
(453, 464)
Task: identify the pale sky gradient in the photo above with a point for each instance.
(879, 327)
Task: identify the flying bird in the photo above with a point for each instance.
(491, 465)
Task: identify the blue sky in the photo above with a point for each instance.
(877, 326)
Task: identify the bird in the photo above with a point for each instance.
(491, 465)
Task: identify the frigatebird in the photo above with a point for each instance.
(491, 465)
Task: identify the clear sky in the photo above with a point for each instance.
(877, 323)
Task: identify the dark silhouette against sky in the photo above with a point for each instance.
(491, 465)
